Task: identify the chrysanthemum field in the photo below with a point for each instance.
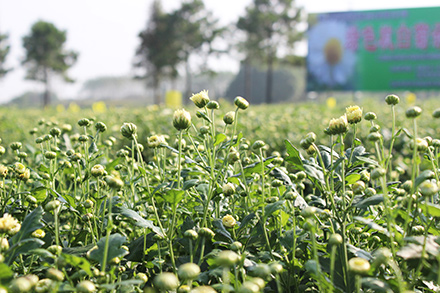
(221, 197)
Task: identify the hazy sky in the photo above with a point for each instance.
(104, 32)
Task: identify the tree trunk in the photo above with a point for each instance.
(188, 82)
(46, 95)
(269, 79)
(247, 80)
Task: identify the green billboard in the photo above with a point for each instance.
(374, 50)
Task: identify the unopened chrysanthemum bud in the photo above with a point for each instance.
(377, 173)
(358, 187)
(84, 122)
(354, 114)
(365, 175)
(141, 276)
(374, 136)
(227, 258)
(413, 112)
(114, 182)
(166, 281)
(228, 221)
(260, 270)
(301, 175)
(55, 274)
(418, 230)
(335, 239)
(338, 125)
(200, 99)
(308, 212)
(436, 113)
(228, 189)
(291, 195)
(190, 234)
(128, 130)
(233, 157)
(241, 103)
(155, 141)
(51, 205)
(248, 287)
(213, 105)
(374, 128)
(370, 191)
(369, 116)
(4, 244)
(100, 126)
(206, 232)
(50, 155)
(181, 119)
(258, 144)
(359, 265)
(19, 285)
(229, 117)
(97, 170)
(311, 150)
(407, 185)
(15, 145)
(236, 246)
(86, 286)
(7, 223)
(392, 99)
(3, 171)
(66, 128)
(382, 255)
(428, 188)
(55, 249)
(275, 268)
(188, 271)
(422, 145)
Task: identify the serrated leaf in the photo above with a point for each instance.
(137, 219)
(219, 138)
(114, 248)
(371, 201)
(314, 173)
(173, 196)
(24, 246)
(294, 157)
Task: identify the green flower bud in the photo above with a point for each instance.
(83, 138)
(190, 234)
(97, 171)
(260, 270)
(50, 155)
(85, 287)
(55, 131)
(241, 103)
(335, 239)
(354, 114)
(38, 234)
(428, 188)
(166, 282)
(141, 276)
(407, 185)
(374, 136)
(338, 125)
(275, 268)
(114, 182)
(101, 127)
(228, 189)
(370, 116)
(359, 266)
(392, 99)
(128, 130)
(248, 287)
(66, 128)
(19, 285)
(15, 145)
(52, 205)
(181, 119)
(370, 191)
(228, 221)
(188, 271)
(229, 117)
(207, 233)
(422, 145)
(413, 112)
(358, 187)
(227, 258)
(236, 246)
(55, 274)
(382, 255)
(258, 144)
(55, 249)
(308, 212)
(213, 105)
(377, 173)
(84, 122)
(201, 99)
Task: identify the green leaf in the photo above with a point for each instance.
(431, 209)
(29, 225)
(219, 138)
(425, 175)
(294, 157)
(371, 201)
(114, 248)
(137, 219)
(256, 167)
(220, 229)
(39, 193)
(314, 173)
(24, 246)
(190, 183)
(93, 148)
(376, 285)
(5, 271)
(173, 196)
(352, 178)
(246, 220)
(273, 207)
(42, 253)
(78, 262)
(371, 224)
(204, 116)
(369, 161)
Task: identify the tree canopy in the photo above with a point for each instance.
(45, 55)
(4, 50)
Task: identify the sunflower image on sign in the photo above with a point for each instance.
(330, 65)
